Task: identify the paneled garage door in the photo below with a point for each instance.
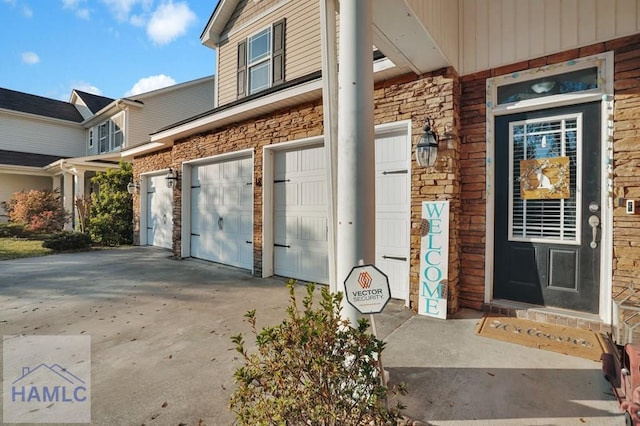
(300, 212)
(222, 212)
(159, 208)
(393, 210)
(300, 215)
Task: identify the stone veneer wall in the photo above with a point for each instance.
(626, 176)
(410, 97)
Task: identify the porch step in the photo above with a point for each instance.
(548, 315)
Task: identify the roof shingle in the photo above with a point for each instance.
(38, 105)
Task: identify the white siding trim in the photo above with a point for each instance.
(253, 20)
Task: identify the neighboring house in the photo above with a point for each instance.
(52, 144)
(520, 93)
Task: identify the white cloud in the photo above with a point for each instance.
(25, 9)
(77, 6)
(147, 84)
(30, 58)
(169, 21)
(83, 86)
(121, 9)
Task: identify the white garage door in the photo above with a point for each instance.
(159, 212)
(300, 215)
(222, 212)
(393, 210)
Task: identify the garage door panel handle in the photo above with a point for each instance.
(395, 172)
(195, 235)
(282, 245)
(249, 242)
(281, 180)
(404, 259)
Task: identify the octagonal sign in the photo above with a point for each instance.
(367, 289)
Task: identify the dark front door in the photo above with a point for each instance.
(547, 207)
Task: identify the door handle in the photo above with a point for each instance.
(220, 223)
(594, 221)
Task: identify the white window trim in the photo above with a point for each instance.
(267, 59)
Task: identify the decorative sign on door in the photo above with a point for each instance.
(434, 259)
(544, 178)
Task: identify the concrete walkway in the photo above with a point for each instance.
(162, 354)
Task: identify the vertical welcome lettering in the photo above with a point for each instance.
(434, 259)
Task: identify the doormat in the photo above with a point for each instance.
(565, 340)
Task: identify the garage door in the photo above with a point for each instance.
(300, 215)
(222, 212)
(393, 210)
(159, 212)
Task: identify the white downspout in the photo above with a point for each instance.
(330, 119)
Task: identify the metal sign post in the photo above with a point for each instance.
(367, 289)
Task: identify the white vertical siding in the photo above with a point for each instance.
(441, 19)
(500, 32)
(41, 136)
(165, 108)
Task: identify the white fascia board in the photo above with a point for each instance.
(23, 170)
(242, 111)
(145, 149)
(211, 34)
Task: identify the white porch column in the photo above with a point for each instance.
(356, 144)
(67, 197)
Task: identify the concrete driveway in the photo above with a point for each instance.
(162, 355)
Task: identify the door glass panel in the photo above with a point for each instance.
(551, 213)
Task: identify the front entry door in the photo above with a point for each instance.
(547, 207)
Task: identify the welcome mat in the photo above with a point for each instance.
(557, 338)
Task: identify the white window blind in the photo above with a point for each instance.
(551, 220)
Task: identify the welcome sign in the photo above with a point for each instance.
(434, 259)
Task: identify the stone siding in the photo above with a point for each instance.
(410, 97)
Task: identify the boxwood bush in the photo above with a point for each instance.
(66, 240)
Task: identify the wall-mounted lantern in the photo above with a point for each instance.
(427, 148)
(171, 178)
(133, 187)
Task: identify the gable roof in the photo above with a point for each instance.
(16, 158)
(94, 102)
(38, 105)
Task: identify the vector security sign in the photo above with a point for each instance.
(367, 289)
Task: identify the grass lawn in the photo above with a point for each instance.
(16, 248)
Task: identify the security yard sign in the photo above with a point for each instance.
(367, 289)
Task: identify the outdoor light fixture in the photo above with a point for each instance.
(171, 178)
(427, 148)
(133, 187)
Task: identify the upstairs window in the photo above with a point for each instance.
(90, 138)
(116, 124)
(261, 60)
(110, 134)
(103, 135)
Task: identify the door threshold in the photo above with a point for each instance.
(545, 314)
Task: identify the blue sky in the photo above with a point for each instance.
(114, 48)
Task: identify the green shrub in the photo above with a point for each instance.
(67, 241)
(13, 230)
(312, 369)
(111, 213)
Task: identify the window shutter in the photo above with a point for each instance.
(242, 69)
(278, 52)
